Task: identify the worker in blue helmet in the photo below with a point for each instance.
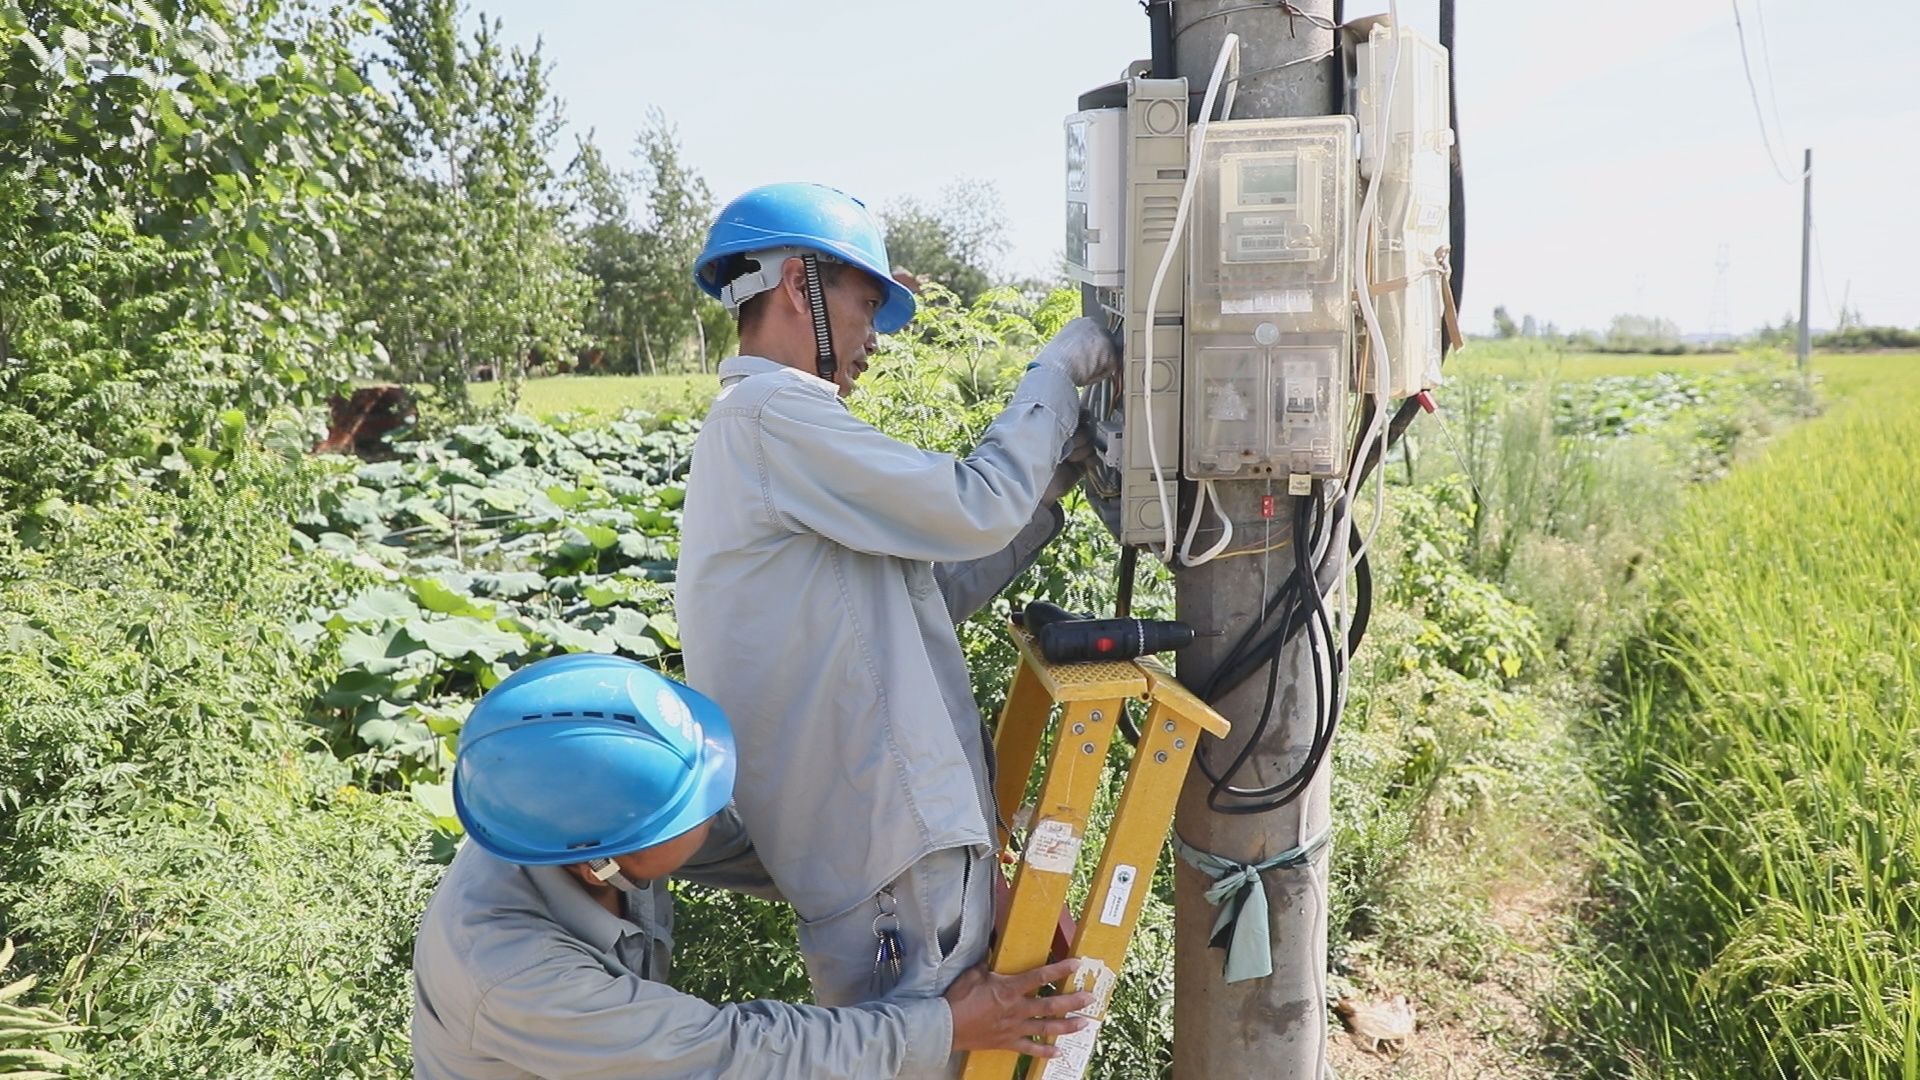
(583, 781)
(823, 567)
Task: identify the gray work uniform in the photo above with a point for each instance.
(519, 973)
(811, 609)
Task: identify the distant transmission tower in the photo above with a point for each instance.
(1719, 319)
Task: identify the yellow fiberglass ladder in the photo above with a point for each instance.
(1091, 697)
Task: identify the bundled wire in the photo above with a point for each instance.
(1298, 606)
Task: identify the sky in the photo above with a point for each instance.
(1611, 151)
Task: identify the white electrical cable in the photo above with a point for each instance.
(1376, 337)
(1229, 49)
(1208, 494)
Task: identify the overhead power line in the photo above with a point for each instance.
(1753, 91)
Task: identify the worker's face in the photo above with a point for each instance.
(853, 299)
(661, 860)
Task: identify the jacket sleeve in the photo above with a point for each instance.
(569, 1019)
(968, 586)
(828, 472)
(727, 860)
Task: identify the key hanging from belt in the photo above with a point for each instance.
(886, 943)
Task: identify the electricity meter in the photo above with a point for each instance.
(1269, 335)
(1411, 139)
(1096, 196)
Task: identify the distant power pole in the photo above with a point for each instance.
(1719, 317)
(1806, 261)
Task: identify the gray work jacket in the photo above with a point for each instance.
(519, 974)
(811, 610)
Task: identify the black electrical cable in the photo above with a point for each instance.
(1456, 180)
(1233, 668)
(1223, 796)
(1160, 39)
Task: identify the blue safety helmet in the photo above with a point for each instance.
(810, 217)
(588, 756)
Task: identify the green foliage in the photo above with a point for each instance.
(176, 183)
(26, 1031)
(1466, 624)
(957, 241)
(579, 399)
(490, 548)
(190, 881)
(1765, 898)
(647, 314)
(1860, 338)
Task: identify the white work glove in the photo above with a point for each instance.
(1081, 351)
(1067, 473)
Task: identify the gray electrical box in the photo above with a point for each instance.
(1155, 169)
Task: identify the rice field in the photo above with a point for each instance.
(1762, 894)
(606, 395)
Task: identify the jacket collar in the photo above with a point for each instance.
(576, 910)
(735, 368)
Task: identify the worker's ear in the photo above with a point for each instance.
(793, 287)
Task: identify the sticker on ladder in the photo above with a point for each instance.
(1053, 846)
(1076, 1051)
(1113, 910)
(1095, 975)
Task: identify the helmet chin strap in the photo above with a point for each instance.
(608, 872)
(822, 332)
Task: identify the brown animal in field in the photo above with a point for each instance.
(362, 423)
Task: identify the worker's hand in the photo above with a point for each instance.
(999, 1012)
(1081, 351)
(1067, 473)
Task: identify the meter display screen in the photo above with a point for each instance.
(1273, 182)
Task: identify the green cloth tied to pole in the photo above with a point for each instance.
(1241, 926)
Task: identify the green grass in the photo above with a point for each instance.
(1765, 886)
(1519, 358)
(605, 395)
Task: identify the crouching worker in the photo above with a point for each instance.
(583, 782)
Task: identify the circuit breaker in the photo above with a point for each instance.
(1269, 329)
(1412, 141)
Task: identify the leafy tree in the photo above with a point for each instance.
(957, 241)
(647, 312)
(1503, 325)
(174, 185)
(468, 266)
(1642, 333)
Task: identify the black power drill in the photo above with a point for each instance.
(1068, 637)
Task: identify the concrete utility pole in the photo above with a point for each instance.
(1274, 1027)
(1804, 351)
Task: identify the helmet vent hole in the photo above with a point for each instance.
(561, 712)
(627, 717)
(595, 714)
